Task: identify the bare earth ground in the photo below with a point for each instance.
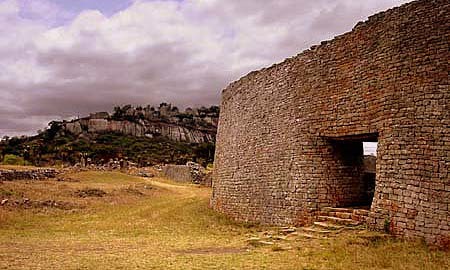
(100, 220)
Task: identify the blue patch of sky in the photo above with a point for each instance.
(107, 7)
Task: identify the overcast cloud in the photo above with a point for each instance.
(62, 59)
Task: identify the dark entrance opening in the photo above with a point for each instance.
(369, 176)
(355, 175)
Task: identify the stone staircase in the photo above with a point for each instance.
(331, 222)
(336, 218)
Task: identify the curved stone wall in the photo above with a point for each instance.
(276, 157)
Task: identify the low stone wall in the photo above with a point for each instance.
(32, 174)
(178, 173)
(189, 173)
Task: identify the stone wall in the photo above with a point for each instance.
(279, 160)
(32, 174)
(178, 173)
(190, 173)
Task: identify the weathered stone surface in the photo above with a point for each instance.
(32, 174)
(194, 125)
(277, 160)
(190, 173)
(150, 129)
(178, 173)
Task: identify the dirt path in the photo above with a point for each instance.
(185, 190)
(144, 223)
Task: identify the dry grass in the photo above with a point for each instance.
(145, 224)
(19, 167)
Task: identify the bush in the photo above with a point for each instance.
(14, 160)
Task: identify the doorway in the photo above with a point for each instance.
(354, 173)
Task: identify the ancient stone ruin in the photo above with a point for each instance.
(190, 173)
(27, 174)
(296, 145)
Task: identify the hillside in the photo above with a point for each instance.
(144, 135)
(197, 125)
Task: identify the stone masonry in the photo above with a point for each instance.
(190, 173)
(28, 174)
(290, 136)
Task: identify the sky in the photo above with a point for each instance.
(61, 59)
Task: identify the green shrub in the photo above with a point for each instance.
(387, 225)
(11, 159)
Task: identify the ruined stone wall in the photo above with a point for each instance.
(276, 156)
(190, 173)
(178, 173)
(32, 174)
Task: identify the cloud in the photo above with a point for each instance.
(57, 64)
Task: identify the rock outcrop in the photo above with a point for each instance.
(140, 129)
(192, 126)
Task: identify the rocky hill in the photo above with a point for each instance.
(144, 135)
(197, 125)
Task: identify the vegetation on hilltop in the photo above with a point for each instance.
(43, 151)
(54, 146)
(190, 117)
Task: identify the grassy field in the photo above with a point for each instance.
(96, 220)
(17, 168)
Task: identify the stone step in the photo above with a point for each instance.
(288, 230)
(343, 215)
(359, 218)
(361, 212)
(316, 230)
(327, 226)
(339, 221)
(336, 209)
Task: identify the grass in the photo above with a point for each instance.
(18, 167)
(157, 224)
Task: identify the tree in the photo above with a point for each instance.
(52, 131)
(118, 113)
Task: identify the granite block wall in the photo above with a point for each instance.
(284, 130)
